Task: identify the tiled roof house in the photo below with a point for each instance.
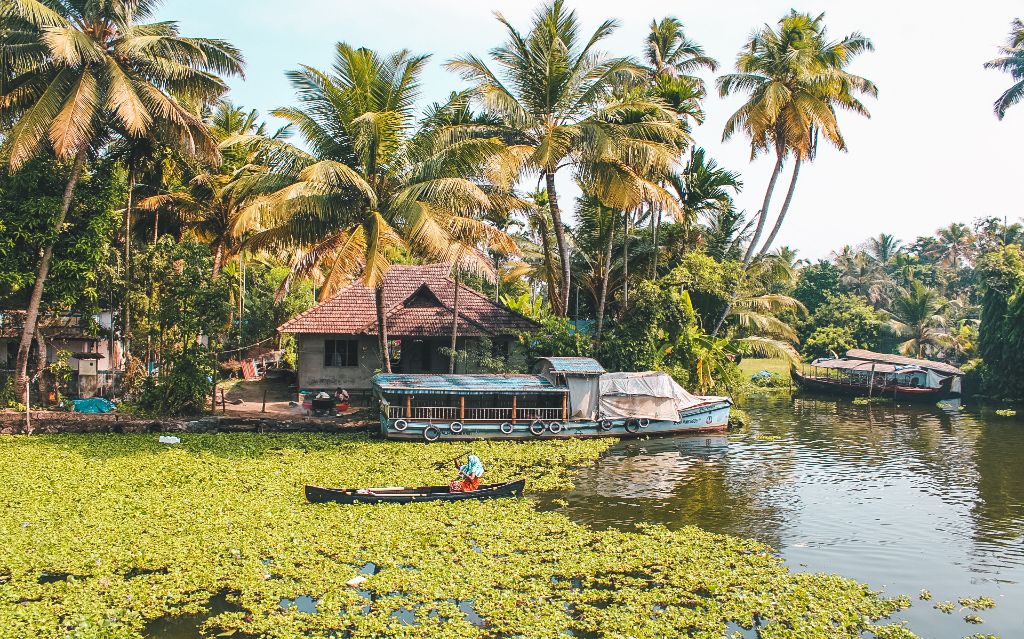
(337, 339)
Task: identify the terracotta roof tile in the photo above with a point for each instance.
(418, 301)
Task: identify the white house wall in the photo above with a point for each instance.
(314, 375)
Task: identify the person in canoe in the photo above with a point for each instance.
(469, 476)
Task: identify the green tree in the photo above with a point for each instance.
(917, 317)
(371, 185)
(1010, 60)
(76, 73)
(796, 78)
(554, 96)
(839, 323)
(1001, 336)
(30, 201)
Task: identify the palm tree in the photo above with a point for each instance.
(1011, 60)
(671, 54)
(795, 78)
(917, 316)
(883, 249)
(208, 204)
(370, 184)
(76, 73)
(553, 96)
(955, 243)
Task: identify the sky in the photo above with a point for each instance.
(932, 153)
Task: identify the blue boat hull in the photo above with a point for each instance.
(698, 419)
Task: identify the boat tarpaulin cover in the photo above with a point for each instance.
(650, 395)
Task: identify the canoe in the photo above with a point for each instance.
(401, 495)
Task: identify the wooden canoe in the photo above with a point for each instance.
(401, 495)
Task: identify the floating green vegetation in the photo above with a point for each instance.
(925, 595)
(973, 619)
(945, 606)
(1006, 412)
(867, 401)
(118, 537)
(977, 603)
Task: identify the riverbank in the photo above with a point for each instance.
(119, 536)
(46, 422)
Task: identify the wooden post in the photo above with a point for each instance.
(264, 409)
(513, 409)
(408, 407)
(565, 407)
(462, 408)
(223, 402)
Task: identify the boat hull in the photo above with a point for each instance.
(900, 393)
(321, 495)
(713, 416)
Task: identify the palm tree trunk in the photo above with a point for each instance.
(749, 256)
(382, 328)
(605, 276)
(156, 225)
(28, 331)
(785, 208)
(553, 293)
(656, 224)
(625, 260)
(455, 324)
(218, 263)
(563, 247)
(126, 330)
(763, 213)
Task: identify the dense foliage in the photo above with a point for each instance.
(219, 522)
(229, 228)
(1001, 338)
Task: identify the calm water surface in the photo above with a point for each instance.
(900, 498)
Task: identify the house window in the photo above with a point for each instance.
(341, 352)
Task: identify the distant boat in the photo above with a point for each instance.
(865, 373)
(395, 495)
(569, 397)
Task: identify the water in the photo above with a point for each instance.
(900, 498)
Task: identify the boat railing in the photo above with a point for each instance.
(452, 413)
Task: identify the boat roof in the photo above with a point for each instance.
(573, 365)
(862, 365)
(430, 384)
(900, 360)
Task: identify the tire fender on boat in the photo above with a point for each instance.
(633, 425)
(431, 433)
(606, 424)
(537, 427)
(555, 427)
(456, 427)
(506, 428)
(400, 425)
(644, 422)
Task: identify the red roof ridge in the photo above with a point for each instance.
(396, 280)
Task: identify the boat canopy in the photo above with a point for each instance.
(650, 395)
(900, 360)
(418, 384)
(571, 365)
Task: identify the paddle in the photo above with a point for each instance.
(441, 465)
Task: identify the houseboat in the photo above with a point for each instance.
(865, 374)
(568, 397)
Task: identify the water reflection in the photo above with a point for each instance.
(899, 497)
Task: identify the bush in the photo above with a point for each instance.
(828, 340)
(184, 385)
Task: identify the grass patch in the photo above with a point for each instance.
(106, 536)
(749, 366)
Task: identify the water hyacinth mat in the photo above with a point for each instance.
(119, 536)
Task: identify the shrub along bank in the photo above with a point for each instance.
(109, 536)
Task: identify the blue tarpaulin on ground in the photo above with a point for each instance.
(93, 405)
